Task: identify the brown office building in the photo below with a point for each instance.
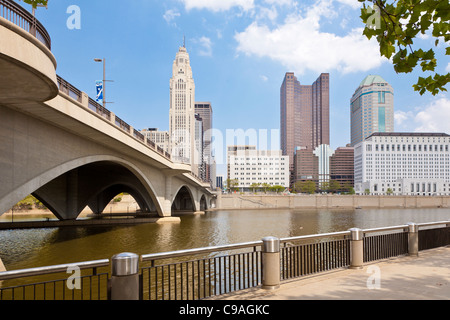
(304, 115)
(342, 166)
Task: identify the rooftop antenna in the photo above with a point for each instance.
(184, 41)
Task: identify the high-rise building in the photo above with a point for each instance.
(182, 110)
(304, 115)
(371, 108)
(204, 110)
(403, 164)
(313, 165)
(342, 166)
(250, 167)
(198, 152)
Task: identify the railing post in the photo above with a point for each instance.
(271, 263)
(124, 282)
(413, 239)
(356, 248)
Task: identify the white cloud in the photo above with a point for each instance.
(355, 4)
(402, 119)
(218, 5)
(264, 78)
(300, 45)
(269, 13)
(447, 69)
(279, 2)
(434, 117)
(204, 46)
(170, 15)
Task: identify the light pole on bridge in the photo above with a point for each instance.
(104, 80)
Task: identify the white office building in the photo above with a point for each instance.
(251, 167)
(403, 164)
(159, 138)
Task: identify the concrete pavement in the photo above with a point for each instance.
(426, 277)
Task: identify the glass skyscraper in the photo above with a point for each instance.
(371, 108)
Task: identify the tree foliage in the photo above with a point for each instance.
(307, 186)
(35, 3)
(397, 23)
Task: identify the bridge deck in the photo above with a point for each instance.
(426, 277)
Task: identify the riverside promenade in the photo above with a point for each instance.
(426, 277)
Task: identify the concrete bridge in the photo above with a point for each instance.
(68, 151)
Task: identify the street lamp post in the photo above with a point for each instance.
(104, 79)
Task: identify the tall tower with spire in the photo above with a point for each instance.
(182, 110)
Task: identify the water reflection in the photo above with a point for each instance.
(41, 247)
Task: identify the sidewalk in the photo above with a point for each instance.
(413, 278)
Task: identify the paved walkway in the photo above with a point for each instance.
(413, 278)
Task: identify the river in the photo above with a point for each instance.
(42, 247)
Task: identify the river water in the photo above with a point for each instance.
(43, 247)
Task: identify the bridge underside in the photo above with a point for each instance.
(93, 185)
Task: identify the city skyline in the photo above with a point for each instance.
(237, 62)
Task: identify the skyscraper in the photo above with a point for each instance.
(371, 108)
(204, 110)
(182, 110)
(305, 114)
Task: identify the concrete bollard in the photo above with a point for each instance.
(356, 248)
(413, 239)
(271, 263)
(124, 282)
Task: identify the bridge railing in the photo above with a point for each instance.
(213, 271)
(16, 14)
(113, 119)
(97, 108)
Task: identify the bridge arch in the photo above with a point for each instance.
(66, 179)
(184, 199)
(203, 203)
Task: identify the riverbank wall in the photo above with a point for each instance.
(319, 201)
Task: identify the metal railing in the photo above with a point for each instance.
(92, 285)
(309, 258)
(212, 274)
(16, 14)
(68, 89)
(213, 271)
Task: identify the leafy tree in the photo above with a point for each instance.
(254, 186)
(325, 186)
(35, 3)
(232, 184)
(396, 23)
(265, 186)
(277, 188)
(367, 191)
(389, 191)
(335, 186)
(305, 186)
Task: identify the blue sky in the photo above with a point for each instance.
(240, 51)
